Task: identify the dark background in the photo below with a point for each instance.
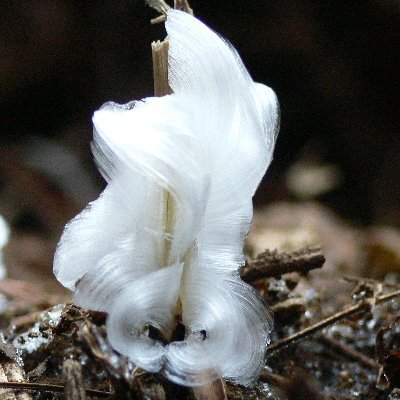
(333, 64)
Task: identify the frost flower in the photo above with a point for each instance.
(164, 241)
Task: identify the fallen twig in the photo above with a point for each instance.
(362, 307)
(274, 264)
(387, 297)
(46, 387)
(349, 352)
(357, 279)
(359, 308)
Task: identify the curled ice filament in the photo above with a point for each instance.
(206, 147)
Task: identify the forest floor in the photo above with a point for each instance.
(333, 289)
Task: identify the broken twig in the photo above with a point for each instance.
(274, 264)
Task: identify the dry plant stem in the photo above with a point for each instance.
(359, 308)
(274, 264)
(158, 20)
(215, 390)
(183, 5)
(44, 387)
(358, 279)
(162, 7)
(348, 352)
(73, 380)
(351, 311)
(160, 67)
(387, 297)
(159, 5)
(162, 88)
(274, 379)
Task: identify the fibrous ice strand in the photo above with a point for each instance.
(207, 146)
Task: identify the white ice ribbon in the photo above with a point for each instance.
(208, 146)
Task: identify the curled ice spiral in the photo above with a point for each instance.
(203, 150)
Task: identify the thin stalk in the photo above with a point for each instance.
(162, 88)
